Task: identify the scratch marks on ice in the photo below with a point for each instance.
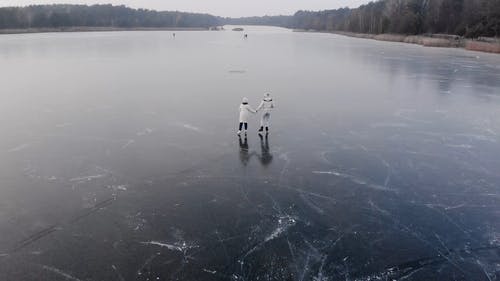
(164, 245)
(145, 132)
(35, 237)
(181, 247)
(147, 262)
(51, 229)
(357, 180)
(191, 127)
(87, 178)
(60, 273)
(407, 269)
(118, 274)
(284, 224)
(128, 143)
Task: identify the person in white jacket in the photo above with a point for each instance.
(267, 105)
(245, 110)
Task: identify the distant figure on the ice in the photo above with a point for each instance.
(245, 110)
(265, 155)
(267, 105)
(173, 34)
(245, 36)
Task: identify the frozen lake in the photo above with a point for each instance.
(119, 158)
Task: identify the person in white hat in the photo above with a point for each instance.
(267, 105)
(245, 110)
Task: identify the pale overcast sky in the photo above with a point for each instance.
(233, 8)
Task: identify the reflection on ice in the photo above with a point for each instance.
(265, 156)
(244, 150)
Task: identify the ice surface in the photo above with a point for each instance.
(120, 160)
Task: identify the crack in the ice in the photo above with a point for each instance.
(284, 223)
(320, 276)
(60, 273)
(45, 232)
(181, 247)
(355, 179)
(118, 274)
(147, 262)
(451, 221)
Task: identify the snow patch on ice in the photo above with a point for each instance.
(181, 246)
(238, 71)
(477, 137)
(388, 125)
(146, 131)
(19, 147)
(209, 271)
(191, 127)
(464, 146)
(121, 187)
(328, 173)
(128, 143)
(163, 245)
(88, 178)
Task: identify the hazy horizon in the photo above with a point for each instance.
(223, 8)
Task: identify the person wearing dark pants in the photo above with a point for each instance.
(245, 110)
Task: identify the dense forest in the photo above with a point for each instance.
(56, 16)
(469, 18)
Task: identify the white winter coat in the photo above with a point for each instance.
(267, 104)
(245, 110)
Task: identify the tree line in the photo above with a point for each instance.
(282, 21)
(57, 16)
(469, 18)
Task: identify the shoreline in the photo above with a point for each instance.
(97, 29)
(482, 44)
(487, 45)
